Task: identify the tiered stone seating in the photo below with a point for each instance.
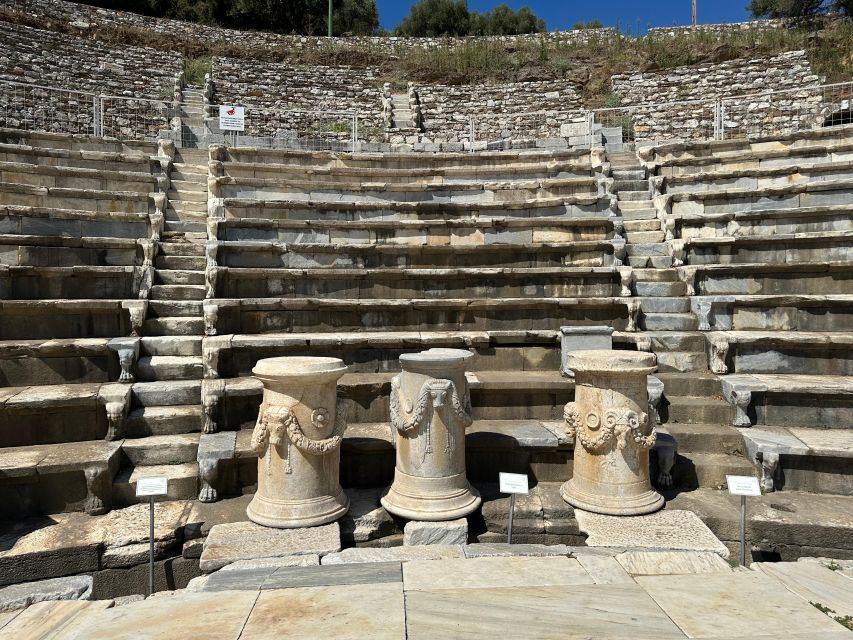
(75, 258)
(395, 253)
(762, 229)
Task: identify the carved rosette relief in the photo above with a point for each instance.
(430, 410)
(613, 433)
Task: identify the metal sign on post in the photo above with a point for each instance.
(743, 486)
(150, 488)
(232, 118)
(512, 483)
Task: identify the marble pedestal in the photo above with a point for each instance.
(613, 433)
(430, 410)
(298, 439)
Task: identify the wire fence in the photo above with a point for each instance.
(40, 108)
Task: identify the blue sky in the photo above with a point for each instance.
(561, 14)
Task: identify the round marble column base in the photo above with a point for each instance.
(297, 514)
(430, 499)
(635, 505)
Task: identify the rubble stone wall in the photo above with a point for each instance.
(739, 83)
(62, 62)
(520, 109)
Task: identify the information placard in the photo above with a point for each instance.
(513, 483)
(146, 487)
(232, 118)
(743, 486)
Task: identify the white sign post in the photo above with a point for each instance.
(743, 486)
(512, 483)
(232, 118)
(151, 487)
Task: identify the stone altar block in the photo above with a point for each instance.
(430, 410)
(582, 339)
(613, 433)
(298, 439)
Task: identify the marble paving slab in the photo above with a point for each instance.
(662, 563)
(394, 554)
(60, 620)
(604, 569)
(7, 616)
(814, 583)
(496, 549)
(335, 575)
(493, 573)
(736, 604)
(372, 612)
(669, 530)
(211, 616)
(227, 543)
(616, 612)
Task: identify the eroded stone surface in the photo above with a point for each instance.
(452, 532)
(23, 595)
(493, 573)
(661, 563)
(665, 530)
(227, 543)
(405, 554)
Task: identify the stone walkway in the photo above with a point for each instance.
(482, 592)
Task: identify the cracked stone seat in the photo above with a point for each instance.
(271, 315)
(778, 248)
(768, 279)
(802, 352)
(739, 150)
(570, 206)
(48, 250)
(133, 161)
(375, 190)
(77, 177)
(68, 283)
(799, 312)
(365, 284)
(452, 231)
(764, 221)
(57, 361)
(577, 253)
(73, 198)
(49, 319)
(807, 194)
(73, 223)
(757, 179)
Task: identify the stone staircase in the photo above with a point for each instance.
(696, 415)
(646, 246)
(192, 117)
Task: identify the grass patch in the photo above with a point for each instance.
(844, 621)
(195, 69)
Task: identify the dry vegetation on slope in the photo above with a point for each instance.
(589, 66)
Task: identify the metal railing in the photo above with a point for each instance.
(40, 108)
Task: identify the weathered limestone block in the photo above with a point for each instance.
(212, 395)
(430, 411)
(449, 532)
(212, 449)
(298, 440)
(137, 310)
(613, 434)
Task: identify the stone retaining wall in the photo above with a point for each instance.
(500, 111)
(64, 62)
(279, 92)
(656, 119)
(87, 18)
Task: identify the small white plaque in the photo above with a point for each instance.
(232, 118)
(146, 487)
(513, 482)
(743, 486)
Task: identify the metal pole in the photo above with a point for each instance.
(151, 546)
(509, 522)
(330, 18)
(694, 14)
(743, 531)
